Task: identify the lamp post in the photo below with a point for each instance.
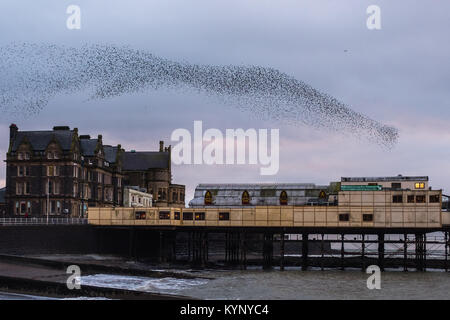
(48, 197)
(82, 186)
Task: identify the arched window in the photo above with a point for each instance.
(245, 198)
(283, 198)
(322, 195)
(208, 198)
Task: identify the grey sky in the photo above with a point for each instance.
(398, 75)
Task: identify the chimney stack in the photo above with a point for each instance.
(12, 133)
(161, 146)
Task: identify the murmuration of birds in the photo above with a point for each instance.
(32, 74)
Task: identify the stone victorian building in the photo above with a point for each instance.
(60, 172)
(152, 171)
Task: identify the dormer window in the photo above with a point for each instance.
(245, 198)
(208, 198)
(283, 198)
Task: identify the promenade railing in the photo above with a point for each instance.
(42, 221)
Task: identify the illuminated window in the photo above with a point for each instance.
(164, 215)
(224, 216)
(420, 185)
(245, 198)
(199, 216)
(208, 198)
(140, 215)
(176, 215)
(283, 198)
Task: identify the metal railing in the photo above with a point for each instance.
(42, 221)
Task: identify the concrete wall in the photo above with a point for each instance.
(47, 239)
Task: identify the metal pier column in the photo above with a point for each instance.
(282, 251)
(446, 245)
(227, 247)
(131, 244)
(204, 248)
(419, 251)
(189, 244)
(381, 251)
(243, 252)
(268, 250)
(305, 239)
(363, 253)
(321, 254)
(424, 241)
(342, 251)
(405, 252)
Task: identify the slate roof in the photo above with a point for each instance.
(88, 147)
(134, 161)
(110, 153)
(39, 140)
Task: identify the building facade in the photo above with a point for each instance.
(133, 197)
(59, 172)
(153, 172)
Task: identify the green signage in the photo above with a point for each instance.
(361, 188)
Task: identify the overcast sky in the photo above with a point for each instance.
(398, 75)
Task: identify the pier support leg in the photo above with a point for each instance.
(268, 250)
(363, 253)
(243, 251)
(446, 250)
(189, 247)
(424, 241)
(227, 247)
(405, 252)
(419, 251)
(305, 239)
(131, 244)
(282, 251)
(204, 248)
(321, 254)
(381, 251)
(342, 251)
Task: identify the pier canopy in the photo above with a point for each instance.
(262, 194)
